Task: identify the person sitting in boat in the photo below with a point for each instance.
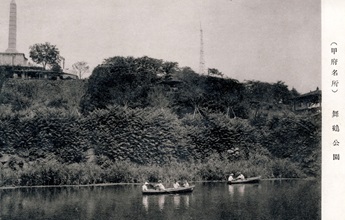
(185, 184)
(159, 186)
(144, 187)
(240, 177)
(176, 184)
(231, 177)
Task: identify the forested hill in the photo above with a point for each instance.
(147, 111)
(144, 82)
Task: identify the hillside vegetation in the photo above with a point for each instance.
(138, 119)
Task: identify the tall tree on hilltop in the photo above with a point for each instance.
(121, 81)
(281, 93)
(80, 67)
(192, 92)
(224, 94)
(169, 67)
(45, 54)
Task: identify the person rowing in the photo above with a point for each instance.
(231, 177)
(240, 177)
(144, 187)
(176, 184)
(160, 186)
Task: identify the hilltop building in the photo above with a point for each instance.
(17, 64)
(310, 101)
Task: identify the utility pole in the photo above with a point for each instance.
(202, 59)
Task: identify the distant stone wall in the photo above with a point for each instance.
(13, 59)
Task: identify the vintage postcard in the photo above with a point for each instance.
(183, 109)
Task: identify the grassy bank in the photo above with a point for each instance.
(214, 169)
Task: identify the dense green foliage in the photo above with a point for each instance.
(143, 118)
(45, 54)
(52, 172)
(121, 81)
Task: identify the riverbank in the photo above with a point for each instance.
(54, 173)
(124, 184)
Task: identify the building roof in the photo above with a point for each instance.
(312, 93)
(317, 92)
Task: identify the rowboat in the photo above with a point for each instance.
(170, 190)
(247, 180)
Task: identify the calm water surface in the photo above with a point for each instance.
(285, 199)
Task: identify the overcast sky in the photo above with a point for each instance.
(266, 40)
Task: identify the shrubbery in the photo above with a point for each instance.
(147, 119)
(148, 136)
(53, 172)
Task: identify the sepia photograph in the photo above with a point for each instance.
(156, 109)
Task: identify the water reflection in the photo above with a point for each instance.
(231, 190)
(161, 201)
(267, 200)
(177, 201)
(241, 188)
(237, 189)
(146, 203)
(186, 197)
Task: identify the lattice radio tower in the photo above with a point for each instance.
(202, 59)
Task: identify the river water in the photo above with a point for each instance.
(278, 199)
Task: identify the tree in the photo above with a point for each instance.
(45, 54)
(214, 71)
(56, 67)
(81, 68)
(169, 67)
(224, 94)
(122, 81)
(192, 92)
(294, 93)
(281, 93)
